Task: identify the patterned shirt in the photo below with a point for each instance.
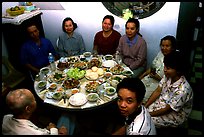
(142, 124)
(179, 96)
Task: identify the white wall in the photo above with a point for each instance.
(89, 15)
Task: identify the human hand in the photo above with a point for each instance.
(151, 75)
(51, 125)
(63, 130)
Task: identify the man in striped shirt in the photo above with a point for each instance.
(137, 119)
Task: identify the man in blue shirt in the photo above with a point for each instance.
(34, 52)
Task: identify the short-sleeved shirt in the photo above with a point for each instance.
(179, 96)
(70, 46)
(13, 126)
(37, 56)
(142, 124)
(107, 45)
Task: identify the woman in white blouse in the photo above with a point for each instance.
(153, 75)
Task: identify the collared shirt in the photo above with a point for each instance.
(36, 55)
(142, 124)
(134, 56)
(70, 46)
(132, 42)
(13, 126)
(179, 96)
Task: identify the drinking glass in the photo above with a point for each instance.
(118, 59)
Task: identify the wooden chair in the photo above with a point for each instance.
(12, 77)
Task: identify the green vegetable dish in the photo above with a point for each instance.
(119, 79)
(110, 90)
(92, 97)
(42, 84)
(57, 96)
(76, 73)
(58, 76)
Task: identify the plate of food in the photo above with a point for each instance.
(45, 70)
(73, 59)
(92, 97)
(117, 69)
(90, 75)
(108, 74)
(14, 11)
(49, 94)
(108, 57)
(118, 78)
(78, 99)
(57, 95)
(71, 83)
(62, 65)
(52, 86)
(42, 84)
(75, 90)
(115, 79)
(127, 73)
(94, 62)
(76, 73)
(58, 77)
(110, 90)
(87, 54)
(92, 86)
(109, 63)
(80, 65)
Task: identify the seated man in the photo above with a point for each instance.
(22, 104)
(137, 120)
(34, 52)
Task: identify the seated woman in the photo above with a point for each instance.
(133, 48)
(171, 103)
(70, 43)
(153, 75)
(106, 40)
(137, 120)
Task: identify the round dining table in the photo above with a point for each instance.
(76, 86)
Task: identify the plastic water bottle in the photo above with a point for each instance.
(52, 62)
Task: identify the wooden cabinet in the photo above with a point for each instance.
(15, 35)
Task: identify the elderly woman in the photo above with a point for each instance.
(133, 48)
(171, 103)
(70, 42)
(153, 75)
